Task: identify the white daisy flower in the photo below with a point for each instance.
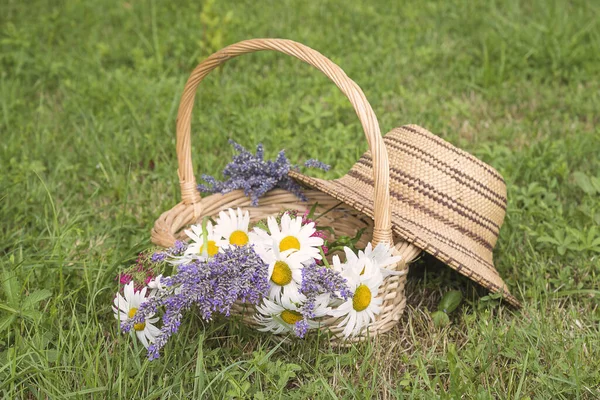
(233, 227)
(184, 259)
(156, 285)
(278, 317)
(382, 257)
(196, 249)
(292, 236)
(360, 310)
(126, 307)
(376, 259)
(336, 264)
(357, 264)
(284, 272)
(322, 305)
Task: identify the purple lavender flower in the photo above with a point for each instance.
(158, 257)
(237, 273)
(317, 280)
(251, 173)
(301, 327)
(178, 249)
(313, 163)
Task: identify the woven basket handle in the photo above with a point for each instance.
(189, 193)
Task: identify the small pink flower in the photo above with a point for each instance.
(124, 279)
(319, 234)
(305, 219)
(138, 287)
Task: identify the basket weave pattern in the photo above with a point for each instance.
(343, 219)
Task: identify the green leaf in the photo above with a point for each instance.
(6, 322)
(11, 288)
(33, 315)
(52, 355)
(13, 310)
(595, 181)
(450, 301)
(440, 319)
(584, 182)
(591, 235)
(358, 235)
(311, 213)
(326, 228)
(547, 239)
(262, 224)
(304, 120)
(36, 297)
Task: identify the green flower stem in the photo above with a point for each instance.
(324, 258)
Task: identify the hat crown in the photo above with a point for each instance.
(449, 184)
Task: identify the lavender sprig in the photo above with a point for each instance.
(301, 327)
(314, 163)
(318, 280)
(255, 176)
(237, 273)
(178, 249)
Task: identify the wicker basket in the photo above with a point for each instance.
(344, 219)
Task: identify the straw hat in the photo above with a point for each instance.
(443, 200)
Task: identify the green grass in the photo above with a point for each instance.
(88, 99)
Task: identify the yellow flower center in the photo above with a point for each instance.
(289, 242)
(361, 298)
(212, 248)
(282, 274)
(238, 238)
(290, 316)
(139, 326)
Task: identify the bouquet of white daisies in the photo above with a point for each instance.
(283, 266)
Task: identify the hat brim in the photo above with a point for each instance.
(413, 220)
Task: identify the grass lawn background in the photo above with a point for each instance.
(88, 98)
